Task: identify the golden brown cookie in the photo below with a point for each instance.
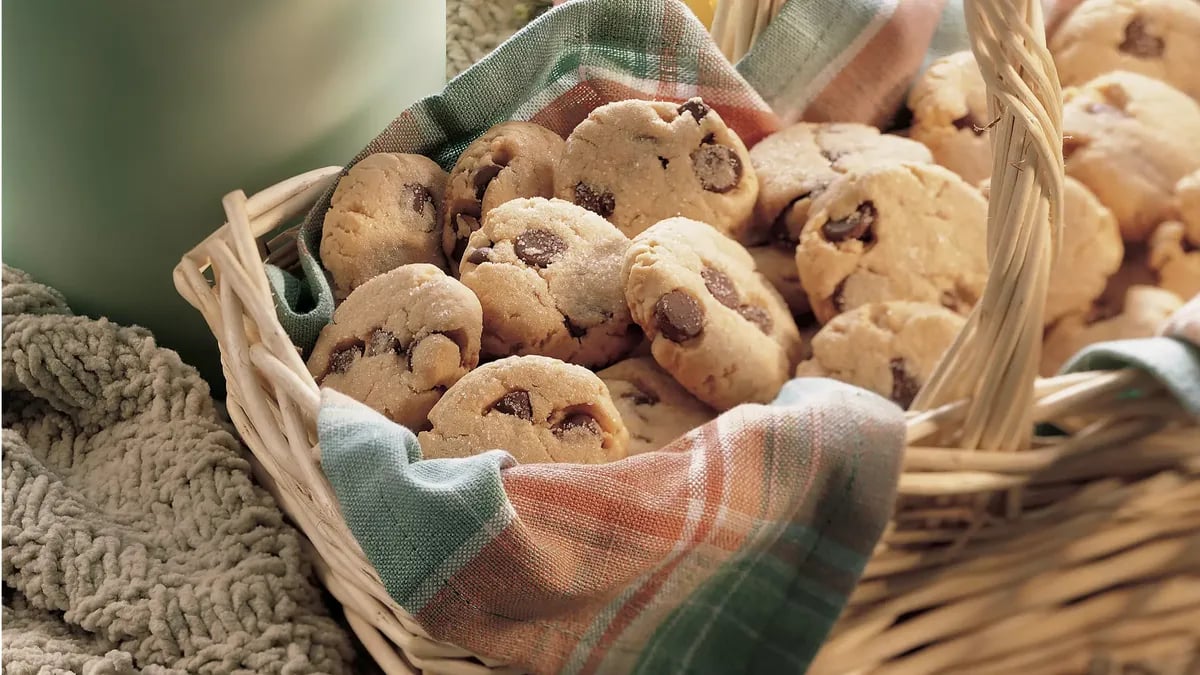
(950, 116)
(778, 264)
(1144, 310)
(654, 408)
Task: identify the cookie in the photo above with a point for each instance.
(1144, 310)
(1129, 139)
(1187, 197)
(537, 408)
(950, 116)
(399, 340)
(1155, 38)
(637, 162)
(654, 408)
(894, 232)
(778, 264)
(1175, 260)
(511, 160)
(890, 348)
(1091, 252)
(716, 325)
(384, 213)
(547, 273)
(796, 164)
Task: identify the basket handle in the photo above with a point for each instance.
(993, 362)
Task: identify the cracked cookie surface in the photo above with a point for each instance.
(637, 162)
(399, 340)
(714, 323)
(384, 213)
(950, 116)
(547, 273)
(537, 408)
(654, 407)
(510, 160)
(912, 232)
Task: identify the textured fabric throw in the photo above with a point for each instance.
(134, 539)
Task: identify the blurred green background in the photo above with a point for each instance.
(125, 121)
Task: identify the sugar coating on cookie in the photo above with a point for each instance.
(797, 164)
(654, 407)
(897, 232)
(1091, 252)
(1155, 38)
(547, 273)
(1144, 311)
(1129, 139)
(1187, 196)
(637, 162)
(777, 263)
(510, 160)
(716, 325)
(384, 213)
(890, 348)
(538, 409)
(950, 116)
(399, 340)
(1175, 260)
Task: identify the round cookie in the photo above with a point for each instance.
(1155, 38)
(511, 160)
(1175, 260)
(1145, 309)
(537, 408)
(896, 232)
(384, 213)
(1187, 197)
(778, 264)
(796, 164)
(1091, 252)
(654, 408)
(1129, 139)
(399, 340)
(547, 273)
(715, 325)
(950, 116)
(637, 162)
(890, 348)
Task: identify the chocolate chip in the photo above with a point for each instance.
(708, 139)
(595, 200)
(662, 160)
(857, 225)
(1139, 43)
(480, 256)
(577, 421)
(539, 248)
(968, 122)
(515, 403)
(721, 286)
(678, 316)
(483, 177)
(952, 301)
(757, 316)
(575, 330)
(640, 396)
(717, 167)
(420, 196)
(696, 107)
(381, 341)
(904, 387)
(343, 357)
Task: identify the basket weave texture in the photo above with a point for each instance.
(1008, 551)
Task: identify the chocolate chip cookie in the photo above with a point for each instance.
(511, 160)
(653, 406)
(894, 232)
(399, 340)
(950, 116)
(637, 162)
(548, 275)
(1175, 260)
(1091, 252)
(777, 262)
(715, 324)
(890, 348)
(1144, 310)
(384, 213)
(1155, 38)
(798, 163)
(537, 408)
(1129, 139)
(1187, 197)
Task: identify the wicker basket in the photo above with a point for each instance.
(1007, 553)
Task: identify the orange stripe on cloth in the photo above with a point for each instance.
(872, 86)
